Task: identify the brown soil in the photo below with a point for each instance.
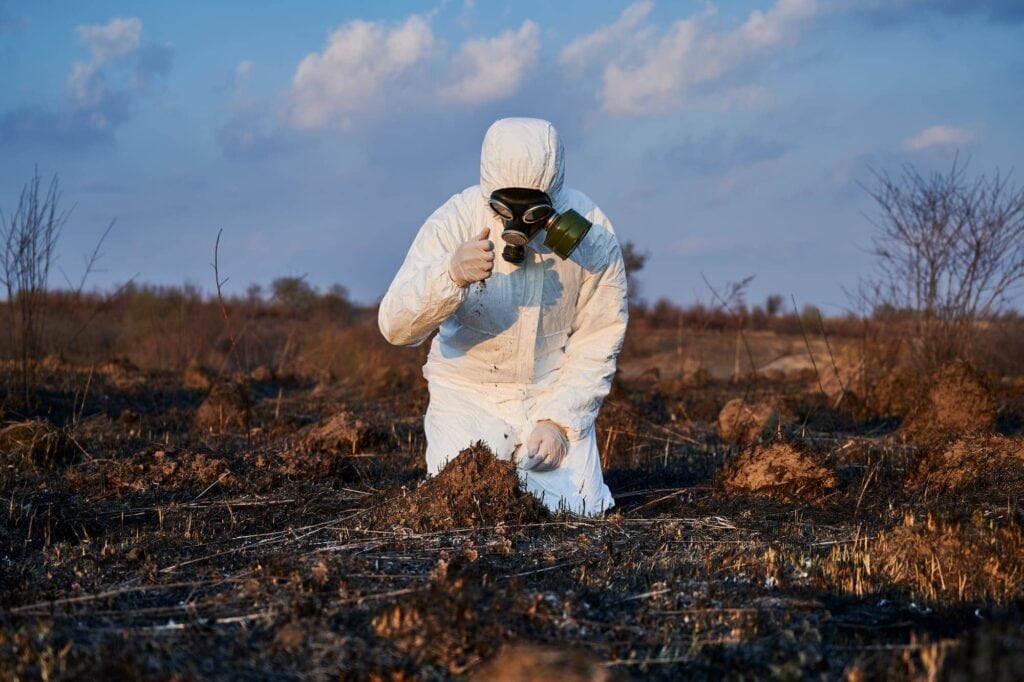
(225, 408)
(741, 423)
(994, 463)
(778, 470)
(958, 401)
(525, 663)
(476, 489)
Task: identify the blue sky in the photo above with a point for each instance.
(727, 139)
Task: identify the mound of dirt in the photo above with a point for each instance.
(325, 448)
(190, 471)
(35, 442)
(198, 377)
(963, 562)
(994, 463)
(959, 401)
(225, 408)
(342, 432)
(526, 662)
(778, 470)
(475, 489)
(742, 423)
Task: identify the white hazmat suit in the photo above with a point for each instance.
(532, 342)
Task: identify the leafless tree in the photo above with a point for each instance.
(950, 254)
(28, 243)
(28, 239)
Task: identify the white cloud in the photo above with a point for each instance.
(101, 92)
(362, 63)
(658, 72)
(580, 52)
(940, 136)
(116, 38)
(494, 68)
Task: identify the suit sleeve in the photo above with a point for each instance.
(423, 295)
(592, 349)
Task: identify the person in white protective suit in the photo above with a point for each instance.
(527, 341)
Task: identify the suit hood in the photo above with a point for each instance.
(522, 152)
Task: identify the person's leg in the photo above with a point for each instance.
(458, 417)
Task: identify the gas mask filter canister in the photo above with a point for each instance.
(525, 212)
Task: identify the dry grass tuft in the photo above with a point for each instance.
(35, 443)
(935, 561)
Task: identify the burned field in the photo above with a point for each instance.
(162, 526)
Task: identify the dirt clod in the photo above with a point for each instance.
(779, 470)
(342, 432)
(475, 489)
(958, 401)
(741, 423)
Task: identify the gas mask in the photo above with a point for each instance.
(525, 212)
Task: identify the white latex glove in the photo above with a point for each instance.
(473, 260)
(545, 448)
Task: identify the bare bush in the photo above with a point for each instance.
(950, 253)
(28, 239)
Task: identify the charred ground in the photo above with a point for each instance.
(168, 525)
